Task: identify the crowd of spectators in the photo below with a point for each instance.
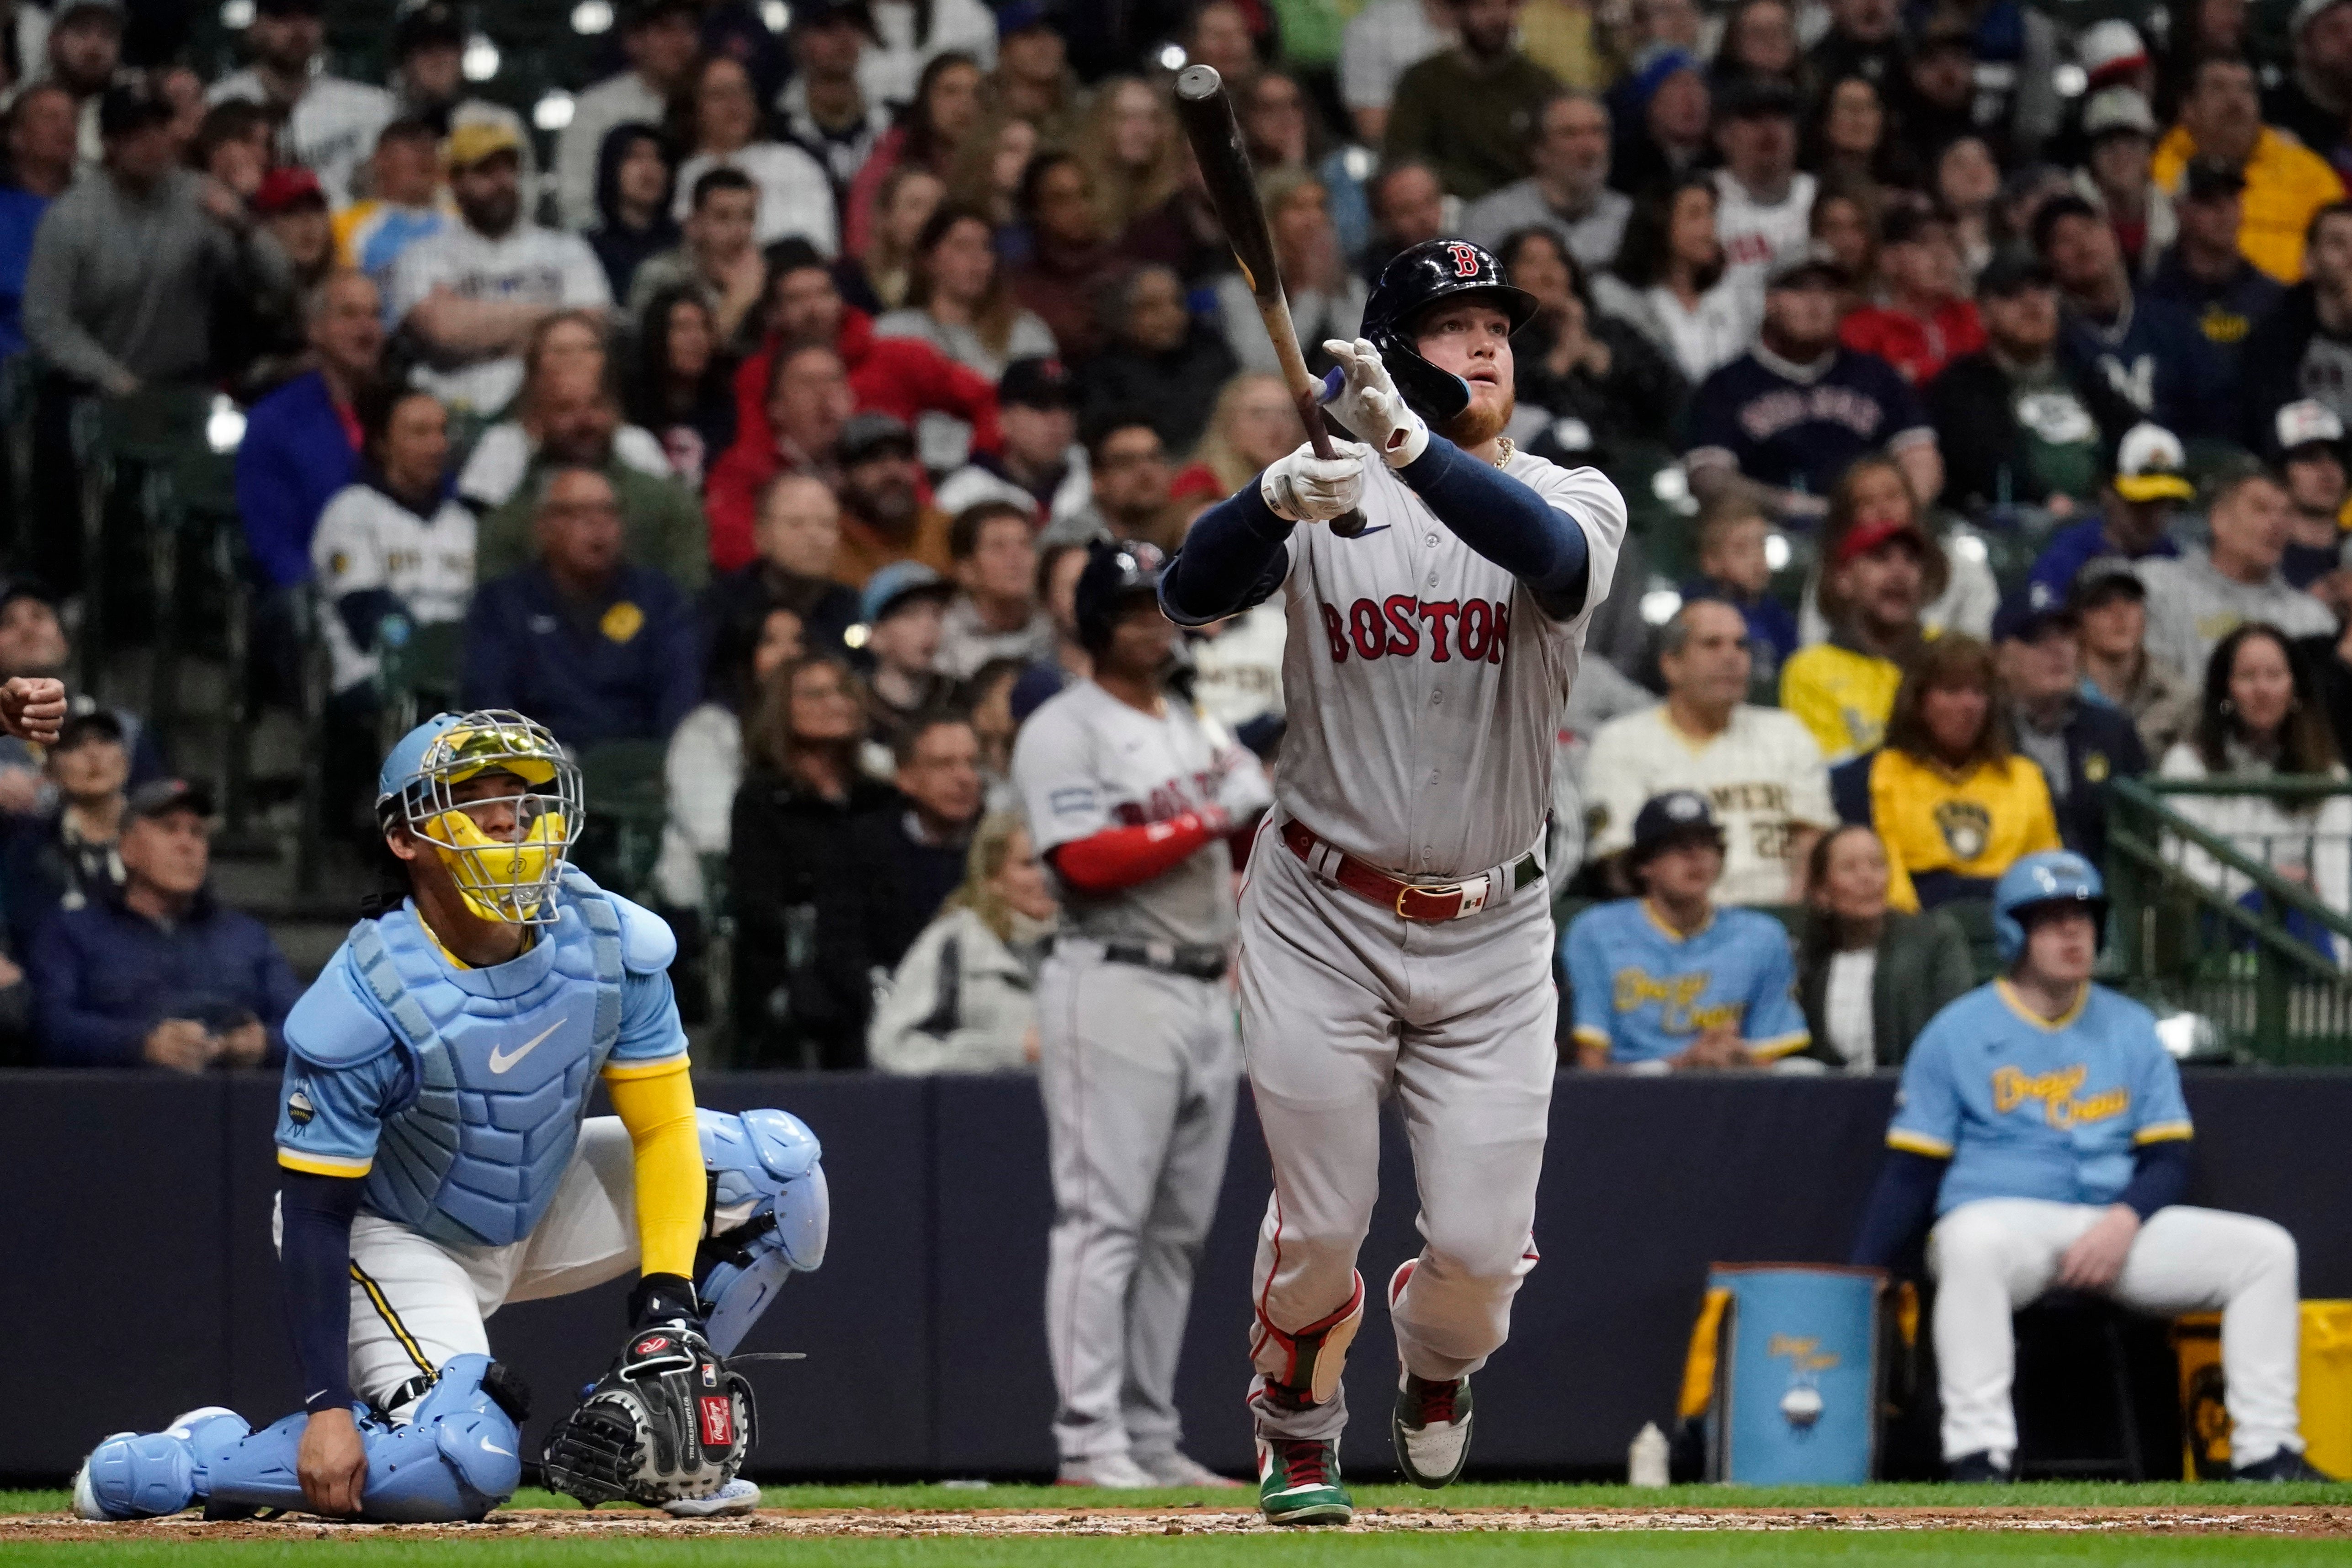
(754, 400)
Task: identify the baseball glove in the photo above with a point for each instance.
(668, 1421)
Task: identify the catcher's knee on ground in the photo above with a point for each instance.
(770, 1216)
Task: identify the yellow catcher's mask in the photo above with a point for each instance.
(535, 799)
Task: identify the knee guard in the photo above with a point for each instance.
(770, 1216)
(1303, 1368)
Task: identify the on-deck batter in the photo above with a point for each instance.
(1395, 935)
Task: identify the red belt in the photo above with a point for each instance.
(1432, 902)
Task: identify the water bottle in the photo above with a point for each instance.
(1645, 1460)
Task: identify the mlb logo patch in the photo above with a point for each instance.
(717, 1420)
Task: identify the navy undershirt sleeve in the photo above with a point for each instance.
(2159, 1178)
(1506, 521)
(1233, 558)
(315, 1267)
(1899, 1204)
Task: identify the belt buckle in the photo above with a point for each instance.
(1443, 890)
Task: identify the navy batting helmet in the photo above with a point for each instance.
(1418, 278)
(1115, 574)
(2038, 882)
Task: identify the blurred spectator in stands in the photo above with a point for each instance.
(236, 145)
(1661, 116)
(995, 613)
(1254, 424)
(1864, 41)
(2112, 53)
(1876, 576)
(959, 301)
(798, 534)
(33, 644)
(803, 958)
(2303, 346)
(2205, 274)
(1852, 143)
(1735, 567)
(38, 167)
(1875, 490)
(1327, 297)
(1606, 386)
(916, 857)
(2310, 450)
(721, 129)
(329, 125)
(162, 973)
(987, 699)
(2312, 100)
(1058, 566)
(823, 109)
(1383, 41)
(1758, 766)
(473, 293)
(904, 608)
(1948, 793)
(1042, 466)
(1928, 319)
(914, 38)
(1759, 43)
(2120, 131)
(2080, 745)
(884, 515)
(960, 999)
(1670, 281)
(1763, 202)
(683, 390)
(634, 186)
(1868, 976)
(2258, 716)
(1127, 465)
(716, 257)
(563, 356)
(84, 55)
(2110, 604)
(658, 38)
(1283, 131)
(1226, 35)
(946, 106)
(1844, 225)
(404, 202)
(986, 176)
(1751, 424)
(1033, 77)
(1938, 95)
(1468, 108)
(61, 855)
(2194, 600)
(593, 646)
(704, 765)
(2135, 508)
(877, 281)
(301, 442)
(293, 208)
(1668, 981)
(1967, 185)
(429, 78)
(2148, 350)
(1069, 258)
(1408, 206)
(808, 402)
(1134, 155)
(1161, 361)
(2287, 184)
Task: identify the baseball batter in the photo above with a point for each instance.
(2042, 1121)
(1130, 796)
(435, 1164)
(1395, 936)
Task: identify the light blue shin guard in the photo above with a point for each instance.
(772, 1213)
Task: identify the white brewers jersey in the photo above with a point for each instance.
(366, 540)
(1424, 683)
(1237, 673)
(1763, 775)
(1086, 761)
(529, 264)
(331, 129)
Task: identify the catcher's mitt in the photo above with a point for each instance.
(668, 1421)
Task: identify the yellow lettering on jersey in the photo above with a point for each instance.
(1803, 1351)
(1675, 995)
(2055, 1091)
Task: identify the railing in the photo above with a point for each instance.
(2207, 923)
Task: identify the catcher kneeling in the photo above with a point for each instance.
(437, 1163)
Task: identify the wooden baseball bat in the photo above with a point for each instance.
(1205, 110)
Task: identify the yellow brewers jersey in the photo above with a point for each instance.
(1842, 696)
(1968, 828)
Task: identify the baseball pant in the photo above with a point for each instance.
(1992, 1256)
(1139, 1070)
(1344, 1003)
(415, 1302)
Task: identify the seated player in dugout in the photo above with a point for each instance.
(2041, 1121)
(437, 1162)
(1670, 981)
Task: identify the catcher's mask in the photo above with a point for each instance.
(505, 847)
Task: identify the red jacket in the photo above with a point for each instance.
(1919, 349)
(902, 376)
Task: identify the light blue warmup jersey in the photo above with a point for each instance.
(1645, 993)
(2025, 1107)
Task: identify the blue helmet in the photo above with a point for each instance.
(2053, 877)
(507, 880)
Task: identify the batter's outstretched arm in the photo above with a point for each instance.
(1233, 556)
(1507, 522)
(315, 1271)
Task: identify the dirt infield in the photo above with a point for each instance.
(781, 1524)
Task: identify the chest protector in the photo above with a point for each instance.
(503, 1060)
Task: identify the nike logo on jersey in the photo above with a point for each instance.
(502, 1061)
(1401, 626)
(1368, 533)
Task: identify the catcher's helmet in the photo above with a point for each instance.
(1415, 279)
(2036, 882)
(1115, 574)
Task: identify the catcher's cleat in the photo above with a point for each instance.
(1431, 1429)
(1298, 1482)
(738, 1496)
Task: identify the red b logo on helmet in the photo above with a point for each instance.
(1465, 258)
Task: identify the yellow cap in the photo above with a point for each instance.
(475, 140)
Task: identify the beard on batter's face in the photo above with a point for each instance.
(1488, 415)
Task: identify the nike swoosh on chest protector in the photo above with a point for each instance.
(502, 1061)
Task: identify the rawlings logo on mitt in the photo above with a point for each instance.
(668, 1421)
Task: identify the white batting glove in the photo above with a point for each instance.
(1369, 404)
(1304, 489)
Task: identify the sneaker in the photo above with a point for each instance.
(738, 1496)
(1431, 1429)
(1118, 1471)
(1298, 1482)
(1982, 1466)
(2285, 1465)
(1176, 1468)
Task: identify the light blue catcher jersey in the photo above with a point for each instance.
(1644, 992)
(2025, 1107)
(458, 1092)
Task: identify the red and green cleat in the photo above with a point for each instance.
(1298, 1482)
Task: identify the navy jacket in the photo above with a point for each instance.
(294, 457)
(103, 977)
(2102, 746)
(2159, 361)
(624, 665)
